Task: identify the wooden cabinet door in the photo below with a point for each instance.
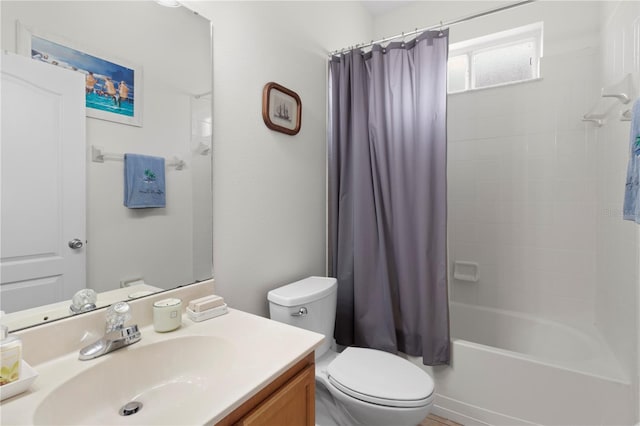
(291, 405)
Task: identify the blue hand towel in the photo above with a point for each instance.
(631, 210)
(143, 181)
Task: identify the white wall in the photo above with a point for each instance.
(618, 258)
(156, 243)
(269, 188)
(522, 165)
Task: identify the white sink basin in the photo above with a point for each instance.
(165, 376)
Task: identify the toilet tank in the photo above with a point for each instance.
(316, 298)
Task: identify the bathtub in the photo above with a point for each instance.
(510, 369)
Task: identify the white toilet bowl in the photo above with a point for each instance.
(364, 394)
(358, 386)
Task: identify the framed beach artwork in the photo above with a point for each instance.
(113, 87)
(281, 109)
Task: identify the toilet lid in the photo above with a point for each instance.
(380, 378)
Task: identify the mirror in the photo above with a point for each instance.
(129, 252)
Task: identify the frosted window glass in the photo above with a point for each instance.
(457, 67)
(504, 65)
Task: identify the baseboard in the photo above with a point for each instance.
(471, 415)
(456, 417)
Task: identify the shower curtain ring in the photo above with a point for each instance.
(402, 39)
(440, 33)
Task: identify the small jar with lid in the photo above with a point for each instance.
(167, 314)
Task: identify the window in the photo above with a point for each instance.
(501, 58)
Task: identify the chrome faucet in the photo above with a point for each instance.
(116, 334)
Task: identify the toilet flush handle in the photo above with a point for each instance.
(302, 312)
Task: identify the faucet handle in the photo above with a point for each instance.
(124, 336)
(83, 301)
(117, 315)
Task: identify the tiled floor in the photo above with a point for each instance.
(433, 420)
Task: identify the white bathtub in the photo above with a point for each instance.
(513, 369)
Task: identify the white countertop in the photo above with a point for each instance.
(261, 350)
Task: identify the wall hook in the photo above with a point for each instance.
(621, 91)
(599, 112)
(597, 121)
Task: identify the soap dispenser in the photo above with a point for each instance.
(10, 356)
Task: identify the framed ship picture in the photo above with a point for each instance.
(281, 109)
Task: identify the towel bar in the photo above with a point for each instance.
(98, 156)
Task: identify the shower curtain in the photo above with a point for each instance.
(387, 197)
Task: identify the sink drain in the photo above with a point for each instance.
(130, 408)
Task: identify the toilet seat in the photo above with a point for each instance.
(380, 378)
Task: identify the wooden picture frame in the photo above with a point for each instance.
(281, 109)
(113, 86)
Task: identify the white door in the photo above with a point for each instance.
(42, 195)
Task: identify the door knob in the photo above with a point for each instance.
(75, 244)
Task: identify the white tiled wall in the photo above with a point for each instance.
(522, 194)
(616, 306)
(535, 194)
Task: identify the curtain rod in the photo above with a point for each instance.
(433, 27)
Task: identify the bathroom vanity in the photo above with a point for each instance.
(234, 369)
(288, 400)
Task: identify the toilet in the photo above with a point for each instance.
(357, 386)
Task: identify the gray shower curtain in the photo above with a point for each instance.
(387, 197)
